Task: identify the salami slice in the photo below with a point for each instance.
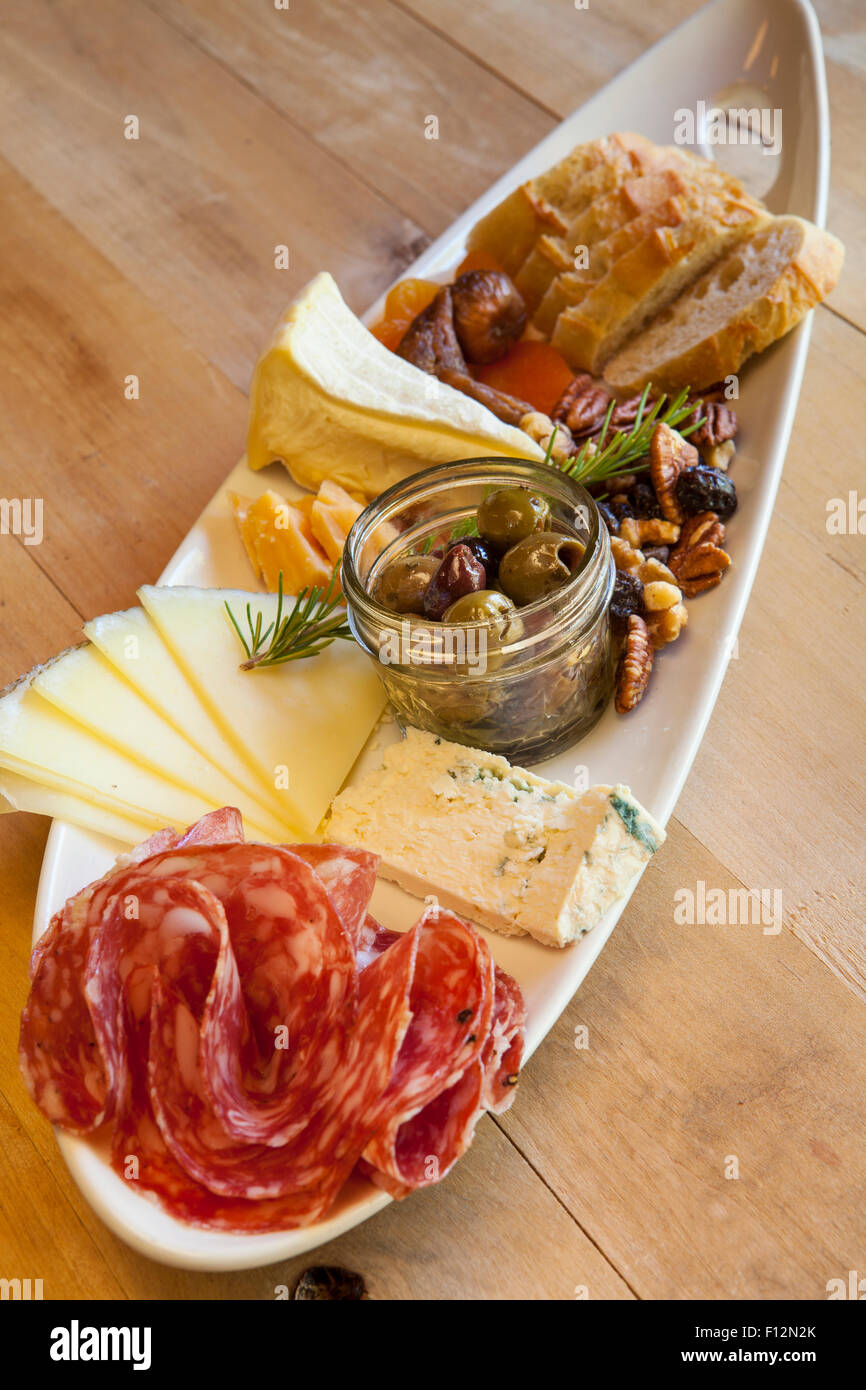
(318, 1160)
(349, 876)
(503, 1052)
(267, 1067)
(452, 1010)
(57, 1050)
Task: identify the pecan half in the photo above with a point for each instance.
(635, 666)
(698, 560)
(669, 455)
(720, 424)
(582, 406)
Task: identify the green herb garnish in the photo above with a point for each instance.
(310, 627)
(597, 459)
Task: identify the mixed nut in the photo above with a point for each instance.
(667, 539)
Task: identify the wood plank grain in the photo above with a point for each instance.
(706, 1044)
(121, 480)
(777, 787)
(192, 210)
(364, 81)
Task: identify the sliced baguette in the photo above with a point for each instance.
(647, 279)
(570, 286)
(666, 177)
(754, 295)
(661, 173)
(549, 202)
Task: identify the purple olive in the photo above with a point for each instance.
(458, 574)
(483, 551)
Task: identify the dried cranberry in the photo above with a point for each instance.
(627, 597)
(458, 574)
(643, 500)
(706, 489)
(620, 507)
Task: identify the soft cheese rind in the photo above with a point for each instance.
(514, 852)
(331, 401)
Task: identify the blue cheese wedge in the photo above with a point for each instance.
(493, 842)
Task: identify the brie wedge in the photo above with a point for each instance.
(331, 401)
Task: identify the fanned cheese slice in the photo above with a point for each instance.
(332, 402)
(134, 647)
(86, 687)
(18, 793)
(303, 723)
(40, 743)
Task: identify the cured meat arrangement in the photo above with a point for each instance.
(252, 1036)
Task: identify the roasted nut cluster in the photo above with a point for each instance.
(664, 550)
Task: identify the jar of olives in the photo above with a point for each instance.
(481, 590)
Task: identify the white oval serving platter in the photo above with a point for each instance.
(773, 46)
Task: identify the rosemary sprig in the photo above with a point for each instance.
(598, 459)
(310, 627)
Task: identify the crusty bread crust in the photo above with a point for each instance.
(649, 277)
(808, 277)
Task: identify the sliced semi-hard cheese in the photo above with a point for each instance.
(514, 852)
(39, 742)
(278, 538)
(132, 644)
(332, 402)
(86, 687)
(19, 793)
(300, 725)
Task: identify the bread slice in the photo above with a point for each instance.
(569, 286)
(648, 194)
(648, 278)
(549, 202)
(754, 295)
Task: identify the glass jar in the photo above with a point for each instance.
(526, 685)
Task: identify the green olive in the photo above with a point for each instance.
(403, 583)
(539, 565)
(510, 514)
(491, 607)
(484, 606)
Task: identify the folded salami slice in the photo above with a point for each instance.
(440, 1064)
(279, 1036)
(349, 876)
(503, 1052)
(319, 1159)
(57, 1050)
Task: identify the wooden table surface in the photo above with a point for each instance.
(305, 126)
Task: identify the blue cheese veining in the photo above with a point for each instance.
(506, 848)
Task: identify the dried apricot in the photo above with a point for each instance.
(533, 371)
(403, 303)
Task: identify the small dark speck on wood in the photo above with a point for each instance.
(330, 1281)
